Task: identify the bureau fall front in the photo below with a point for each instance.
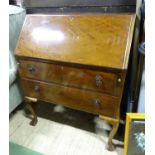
(78, 61)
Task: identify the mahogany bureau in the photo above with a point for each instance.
(79, 61)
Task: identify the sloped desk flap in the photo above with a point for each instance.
(90, 39)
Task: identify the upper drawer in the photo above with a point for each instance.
(69, 76)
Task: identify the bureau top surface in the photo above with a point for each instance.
(90, 39)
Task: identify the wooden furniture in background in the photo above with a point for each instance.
(79, 61)
(71, 6)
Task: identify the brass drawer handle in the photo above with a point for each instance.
(99, 80)
(37, 88)
(97, 103)
(31, 69)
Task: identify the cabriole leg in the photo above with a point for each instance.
(31, 107)
(115, 125)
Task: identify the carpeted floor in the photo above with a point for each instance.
(63, 131)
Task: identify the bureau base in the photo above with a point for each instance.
(31, 102)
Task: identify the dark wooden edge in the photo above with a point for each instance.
(99, 68)
(61, 10)
(77, 3)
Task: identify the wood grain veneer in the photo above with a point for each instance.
(69, 76)
(77, 60)
(100, 40)
(71, 97)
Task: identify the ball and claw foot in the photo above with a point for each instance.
(33, 122)
(110, 147)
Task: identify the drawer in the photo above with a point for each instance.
(69, 76)
(75, 98)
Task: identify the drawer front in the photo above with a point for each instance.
(75, 98)
(69, 76)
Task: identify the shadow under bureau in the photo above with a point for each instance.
(79, 61)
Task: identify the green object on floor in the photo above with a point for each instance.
(15, 149)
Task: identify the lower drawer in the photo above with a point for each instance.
(75, 98)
